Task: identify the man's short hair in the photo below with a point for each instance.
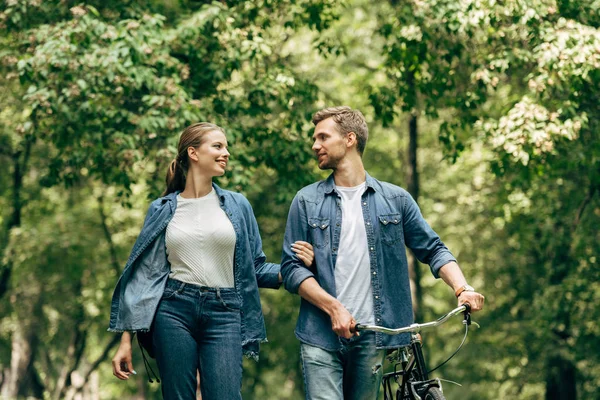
(347, 120)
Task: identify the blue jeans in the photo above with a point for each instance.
(198, 328)
(354, 372)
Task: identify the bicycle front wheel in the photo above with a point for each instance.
(434, 393)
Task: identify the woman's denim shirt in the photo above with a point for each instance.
(142, 283)
(393, 222)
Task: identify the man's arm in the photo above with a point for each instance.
(298, 279)
(453, 276)
(425, 244)
(341, 320)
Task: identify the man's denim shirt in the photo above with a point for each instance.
(142, 283)
(392, 221)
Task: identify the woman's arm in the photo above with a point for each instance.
(121, 362)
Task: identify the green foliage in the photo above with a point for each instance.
(95, 94)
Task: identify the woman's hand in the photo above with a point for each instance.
(304, 251)
(121, 362)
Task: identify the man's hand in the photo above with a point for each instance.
(343, 323)
(474, 299)
(341, 319)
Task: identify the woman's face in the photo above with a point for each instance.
(212, 155)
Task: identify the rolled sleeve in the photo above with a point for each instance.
(292, 268)
(439, 261)
(267, 275)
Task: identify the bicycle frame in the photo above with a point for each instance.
(414, 373)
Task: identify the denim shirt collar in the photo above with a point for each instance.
(329, 184)
(172, 197)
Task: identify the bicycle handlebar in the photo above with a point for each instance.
(416, 328)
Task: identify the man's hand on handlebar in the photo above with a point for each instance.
(343, 323)
(474, 299)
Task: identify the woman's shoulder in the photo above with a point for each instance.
(236, 197)
(163, 201)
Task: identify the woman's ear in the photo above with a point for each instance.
(192, 154)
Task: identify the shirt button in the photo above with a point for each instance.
(314, 225)
(374, 273)
(396, 221)
(376, 297)
(322, 226)
(368, 223)
(378, 319)
(365, 203)
(372, 249)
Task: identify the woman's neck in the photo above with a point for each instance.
(196, 185)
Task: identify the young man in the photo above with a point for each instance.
(359, 228)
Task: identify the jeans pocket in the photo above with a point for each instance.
(319, 232)
(169, 293)
(390, 226)
(229, 301)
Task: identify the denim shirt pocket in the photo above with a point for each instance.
(390, 226)
(319, 232)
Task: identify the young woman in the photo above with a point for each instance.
(191, 281)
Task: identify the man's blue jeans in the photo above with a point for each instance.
(353, 373)
(198, 328)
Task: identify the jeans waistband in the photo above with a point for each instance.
(180, 286)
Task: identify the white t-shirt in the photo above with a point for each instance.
(200, 242)
(352, 267)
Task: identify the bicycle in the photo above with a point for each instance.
(409, 363)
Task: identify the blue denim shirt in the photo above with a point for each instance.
(142, 283)
(393, 222)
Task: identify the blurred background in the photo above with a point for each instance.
(486, 111)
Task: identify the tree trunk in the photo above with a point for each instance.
(412, 179)
(19, 169)
(23, 345)
(560, 379)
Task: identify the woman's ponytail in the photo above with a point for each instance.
(191, 137)
(175, 177)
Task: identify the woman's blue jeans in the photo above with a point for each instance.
(198, 328)
(352, 373)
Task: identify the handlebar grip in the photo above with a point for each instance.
(467, 313)
(467, 307)
(356, 328)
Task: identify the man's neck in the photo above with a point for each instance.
(350, 173)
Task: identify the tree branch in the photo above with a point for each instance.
(583, 205)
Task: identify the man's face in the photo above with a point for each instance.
(329, 144)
